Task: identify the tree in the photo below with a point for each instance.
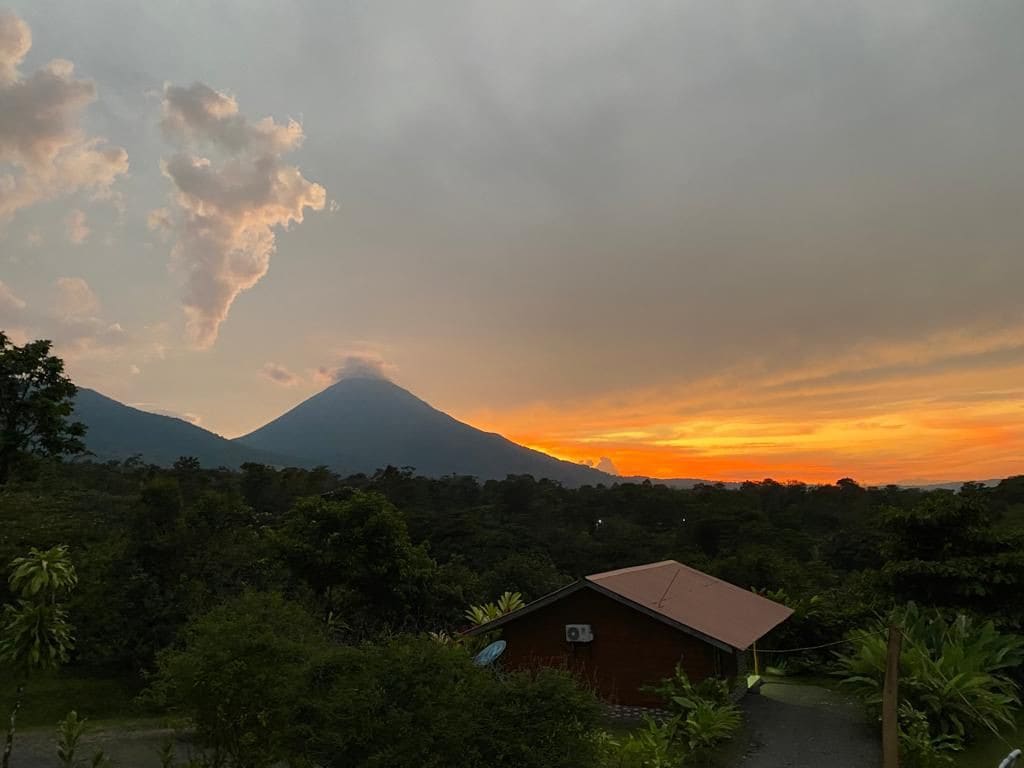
(34, 632)
(35, 405)
(948, 550)
(239, 675)
(356, 555)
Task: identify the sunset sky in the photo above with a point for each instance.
(725, 240)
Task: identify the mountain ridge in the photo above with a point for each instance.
(117, 431)
(359, 424)
(394, 428)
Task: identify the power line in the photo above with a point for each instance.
(808, 648)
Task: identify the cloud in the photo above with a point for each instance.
(75, 299)
(191, 418)
(11, 305)
(44, 153)
(160, 220)
(77, 229)
(227, 208)
(280, 375)
(606, 465)
(355, 366)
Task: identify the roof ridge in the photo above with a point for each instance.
(633, 569)
(661, 563)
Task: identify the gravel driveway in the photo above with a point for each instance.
(792, 725)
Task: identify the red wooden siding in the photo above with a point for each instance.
(630, 650)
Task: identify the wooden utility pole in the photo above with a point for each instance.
(890, 701)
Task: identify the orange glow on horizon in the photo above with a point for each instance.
(927, 426)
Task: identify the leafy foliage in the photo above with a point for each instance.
(238, 675)
(919, 746)
(69, 734)
(956, 673)
(34, 631)
(701, 717)
(488, 612)
(654, 745)
(35, 405)
(450, 712)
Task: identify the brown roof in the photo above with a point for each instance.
(683, 597)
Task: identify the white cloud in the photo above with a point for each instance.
(11, 305)
(227, 208)
(191, 418)
(279, 374)
(44, 153)
(76, 299)
(356, 365)
(77, 228)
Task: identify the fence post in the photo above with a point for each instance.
(890, 701)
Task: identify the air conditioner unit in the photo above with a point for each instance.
(578, 633)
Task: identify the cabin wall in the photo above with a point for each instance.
(630, 650)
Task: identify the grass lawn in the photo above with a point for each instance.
(48, 698)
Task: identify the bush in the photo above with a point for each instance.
(654, 746)
(703, 717)
(413, 703)
(955, 673)
(239, 674)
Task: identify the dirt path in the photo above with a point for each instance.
(792, 725)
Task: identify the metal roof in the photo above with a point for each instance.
(682, 597)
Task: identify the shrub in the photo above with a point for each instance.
(955, 673)
(239, 673)
(656, 745)
(702, 717)
(414, 703)
(919, 747)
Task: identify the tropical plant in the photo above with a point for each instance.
(704, 715)
(707, 725)
(69, 734)
(919, 747)
(488, 612)
(655, 745)
(34, 631)
(955, 672)
(682, 695)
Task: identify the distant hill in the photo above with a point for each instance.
(117, 431)
(363, 424)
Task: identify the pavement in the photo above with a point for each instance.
(796, 725)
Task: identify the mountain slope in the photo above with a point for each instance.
(363, 424)
(118, 431)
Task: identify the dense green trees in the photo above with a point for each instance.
(167, 557)
(35, 405)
